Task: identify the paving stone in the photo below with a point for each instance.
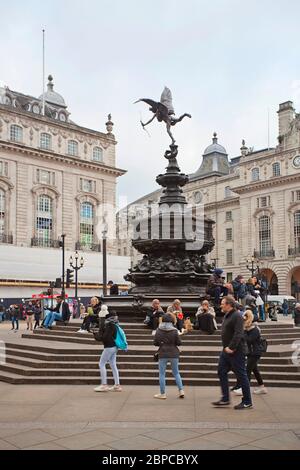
(282, 441)
(85, 440)
(30, 438)
(4, 445)
(137, 442)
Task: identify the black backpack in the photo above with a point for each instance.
(263, 345)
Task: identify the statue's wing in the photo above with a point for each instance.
(166, 100)
(154, 105)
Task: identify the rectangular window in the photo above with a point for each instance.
(229, 256)
(228, 216)
(229, 277)
(45, 177)
(264, 201)
(3, 168)
(297, 195)
(228, 234)
(87, 186)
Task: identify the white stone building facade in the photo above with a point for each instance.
(55, 177)
(254, 200)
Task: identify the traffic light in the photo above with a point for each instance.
(57, 283)
(70, 277)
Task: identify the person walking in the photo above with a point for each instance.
(167, 338)
(253, 339)
(15, 314)
(108, 332)
(296, 315)
(233, 356)
(29, 316)
(37, 315)
(285, 308)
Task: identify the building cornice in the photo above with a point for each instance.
(66, 126)
(74, 161)
(258, 185)
(230, 201)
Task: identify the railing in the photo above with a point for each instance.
(45, 243)
(294, 251)
(88, 246)
(267, 253)
(6, 239)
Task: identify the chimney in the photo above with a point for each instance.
(286, 114)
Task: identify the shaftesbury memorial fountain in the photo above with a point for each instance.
(175, 239)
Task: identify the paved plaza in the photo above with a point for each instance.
(75, 417)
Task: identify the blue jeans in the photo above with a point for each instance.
(237, 363)
(109, 355)
(162, 364)
(13, 321)
(50, 318)
(261, 310)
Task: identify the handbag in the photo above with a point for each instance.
(259, 301)
(155, 357)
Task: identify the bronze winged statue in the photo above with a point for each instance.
(163, 110)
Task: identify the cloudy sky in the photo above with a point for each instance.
(226, 61)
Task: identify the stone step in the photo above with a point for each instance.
(22, 380)
(201, 357)
(189, 374)
(96, 348)
(146, 334)
(186, 340)
(147, 363)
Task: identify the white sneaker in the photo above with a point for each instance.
(181, 394)
(115, 388)
(153, 332)
(82, 331)
(260, 390)
(102, 388)
(180, 333)
(238, 392)
(160, 396)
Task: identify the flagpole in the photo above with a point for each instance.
(43, 73)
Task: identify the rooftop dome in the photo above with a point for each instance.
(215, 147)
(51, 96)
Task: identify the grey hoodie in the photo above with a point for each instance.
(167, 338)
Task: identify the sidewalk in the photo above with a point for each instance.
(66, 417)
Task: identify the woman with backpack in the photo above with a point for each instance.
(108, 332)
(256, 347)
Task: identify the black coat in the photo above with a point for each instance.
(253, 338)
(109, 334)
(233, 332)
(168, 342)
(65, 310)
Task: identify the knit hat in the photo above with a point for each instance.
(218, 271)
(103, 312)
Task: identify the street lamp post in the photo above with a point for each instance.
(104, 260)
(78, 265)
(252, 265)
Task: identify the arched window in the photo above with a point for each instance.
(255, 174)
(16, 133)
(297, 230)
(97, 154)
(45, 141)
(276, 169)
(86, 224)
(73, 148)
(2, 214)
(44, 221)
(264, 235)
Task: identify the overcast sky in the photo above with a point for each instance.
(226, 62)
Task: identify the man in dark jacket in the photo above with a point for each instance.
(233, 356)
(60, 312)
(215, 286)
